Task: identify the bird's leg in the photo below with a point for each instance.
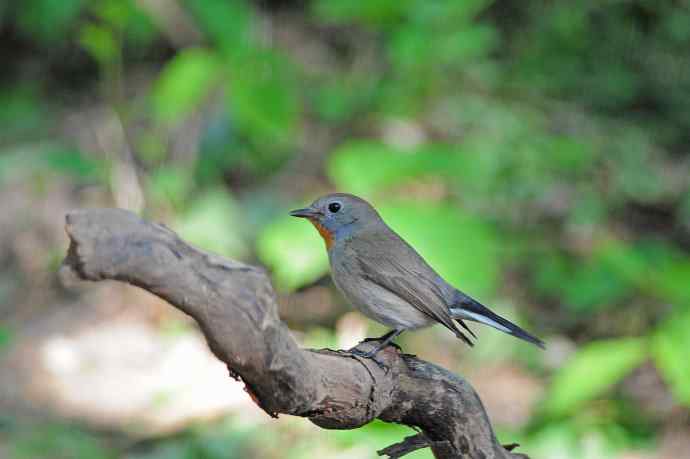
(380, 338)
(385, 341)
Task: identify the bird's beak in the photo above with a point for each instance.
(307, 212)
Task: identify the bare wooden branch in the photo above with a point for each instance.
(235, 307)
(408, 445)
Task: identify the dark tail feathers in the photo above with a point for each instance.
(470, 309)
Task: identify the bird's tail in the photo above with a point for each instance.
(470, 309)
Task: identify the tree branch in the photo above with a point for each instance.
(235, 307)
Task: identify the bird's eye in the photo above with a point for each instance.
(334, 207)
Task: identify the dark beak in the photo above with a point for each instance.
(307, 212)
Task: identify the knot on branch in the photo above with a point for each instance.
(379, 386)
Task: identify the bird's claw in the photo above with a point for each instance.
(366, 355)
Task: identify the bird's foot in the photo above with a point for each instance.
(372, 356)
(386, 339)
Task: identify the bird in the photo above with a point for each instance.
(385, 278)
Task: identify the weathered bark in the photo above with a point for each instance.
(235, 307)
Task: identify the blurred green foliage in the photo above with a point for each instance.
(5, 337)
(59, 442)
(576, 383)
(534, 152)
(670, 343)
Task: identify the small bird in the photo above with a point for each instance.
(387, 280)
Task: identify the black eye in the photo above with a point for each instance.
(334, 207)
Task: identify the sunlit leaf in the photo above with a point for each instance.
(127, 16)
(293, 251)
(660, 269)
(370, 12)
(568, 439)
(670, 350)
(671, 280)
(357, 165)
(227, 23)
(591, 371)
(214, 222)
(172, 184)
(184, 83)
(100, 42)
(263, 100)
(353, 166)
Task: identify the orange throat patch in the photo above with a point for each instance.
(325, 234)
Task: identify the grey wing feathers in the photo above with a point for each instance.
(406, 274)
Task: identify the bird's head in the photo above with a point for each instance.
(338, 215)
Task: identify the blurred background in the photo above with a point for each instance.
(535, 152)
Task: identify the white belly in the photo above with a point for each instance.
(381, 305)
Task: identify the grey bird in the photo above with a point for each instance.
(387, 280)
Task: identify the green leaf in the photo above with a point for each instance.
(57, 441)
(48, 20)
(605, 279)
(571, 438)
(340, 98)
(593, 286)
(172, 184)
(184, 83)
(227, 23)
(375, 12)
(363, 167)
(415, 48)
(5, 337)
(215, 222)
(51, 159)
(672, 279)
(262, 98)
(356, 166)
(660, 269)
(670, 346)
(126, 17)
(294, 252)
(23, 112)
(72, 162)
(591, 371)
(100, 42)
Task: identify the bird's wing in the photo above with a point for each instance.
(404, 272)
